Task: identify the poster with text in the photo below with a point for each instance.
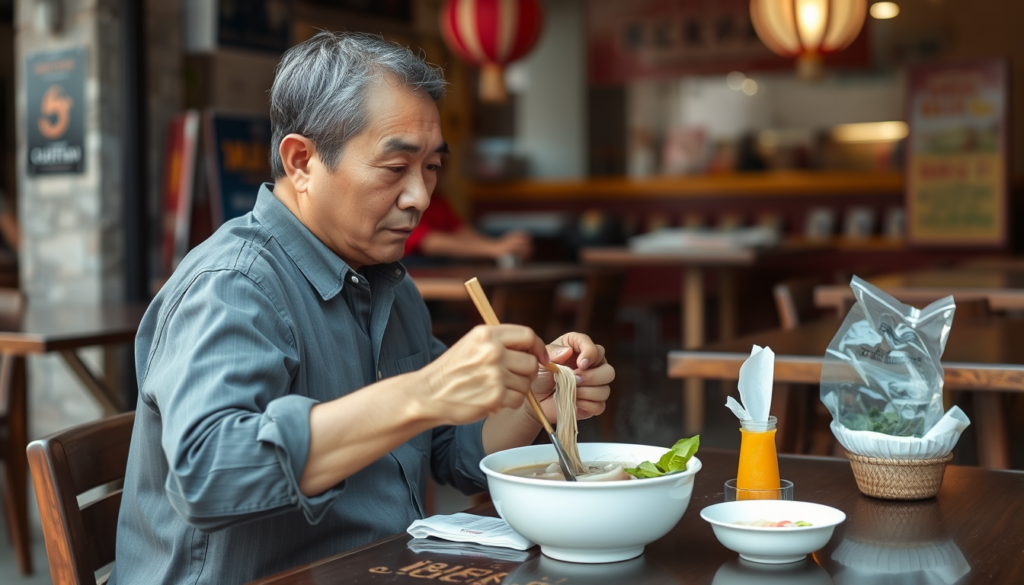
(956, 186)
(238, 162)
(56, 110)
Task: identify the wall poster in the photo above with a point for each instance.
(238, 162)
(56, 109)
(956, 186)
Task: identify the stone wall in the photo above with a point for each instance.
(72, 249)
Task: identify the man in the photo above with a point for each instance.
(293, 402)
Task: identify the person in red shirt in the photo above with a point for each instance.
(442, 234)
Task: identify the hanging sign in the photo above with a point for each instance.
(956, 154)
(55, 103)
(642, 39)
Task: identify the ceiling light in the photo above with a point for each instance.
(884, 10)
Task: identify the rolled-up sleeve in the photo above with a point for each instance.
(235, 439)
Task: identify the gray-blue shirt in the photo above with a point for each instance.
(258, 324)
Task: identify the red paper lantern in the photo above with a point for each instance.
(807, 29)
(490, 34)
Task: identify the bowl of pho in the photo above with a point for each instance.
(624, 497)
(607, 515)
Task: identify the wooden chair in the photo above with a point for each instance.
(13, 437)
(802, 418)
(596, 316)
(80, 541)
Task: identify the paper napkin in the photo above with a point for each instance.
(462, 527)
(756, 375)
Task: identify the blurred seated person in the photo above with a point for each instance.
(442, 237)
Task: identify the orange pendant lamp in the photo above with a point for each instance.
(807, 29)
(491, 34)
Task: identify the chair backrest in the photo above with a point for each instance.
(12, 302)
(79, 541)
(794, 301)
(596, 314)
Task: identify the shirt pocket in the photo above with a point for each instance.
(412, 362)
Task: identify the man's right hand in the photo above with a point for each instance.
(489, 369)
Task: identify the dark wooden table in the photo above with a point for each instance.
(971, 528)
(66, 329)
(1002, 286)
(982, 356)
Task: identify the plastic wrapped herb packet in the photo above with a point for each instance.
(882, 380)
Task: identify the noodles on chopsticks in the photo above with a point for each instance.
(565, 399)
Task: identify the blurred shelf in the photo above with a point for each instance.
(767, 184)
(870, 244)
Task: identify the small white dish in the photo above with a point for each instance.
(772, 545)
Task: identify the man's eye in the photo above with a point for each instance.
(433, 167)
(396, 169)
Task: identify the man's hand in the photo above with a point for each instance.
(593, 376)
(489, 369)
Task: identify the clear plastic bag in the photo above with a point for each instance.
(881, 372)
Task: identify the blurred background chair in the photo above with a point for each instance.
(80, 540)
(13, 437)
(803, 419)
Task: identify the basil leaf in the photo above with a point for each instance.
(677, 458)
(645, 469)
(674, 460)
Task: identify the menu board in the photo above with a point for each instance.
(956, 187)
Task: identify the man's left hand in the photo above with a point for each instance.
(593, 376)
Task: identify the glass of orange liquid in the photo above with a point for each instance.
(758, 473)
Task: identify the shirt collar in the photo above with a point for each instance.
(321, 266)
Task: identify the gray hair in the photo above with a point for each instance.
(320, 89)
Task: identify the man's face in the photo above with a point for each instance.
(365, 209)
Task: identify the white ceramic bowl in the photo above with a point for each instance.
(584, 522)
(772, 545)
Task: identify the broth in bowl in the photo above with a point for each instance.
(596, 471)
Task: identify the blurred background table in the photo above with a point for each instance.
(446, 283)
(694, 262)
(981, 356)
(1001, 285)
(523, 295)
(969, 533)
(37, 330)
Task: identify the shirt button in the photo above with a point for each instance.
(398, 272)
(379, 375)
(355, 279)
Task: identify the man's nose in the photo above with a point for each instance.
(416, 194)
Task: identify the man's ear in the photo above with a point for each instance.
(297, 154)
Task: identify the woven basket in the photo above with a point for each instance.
(898, 479)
